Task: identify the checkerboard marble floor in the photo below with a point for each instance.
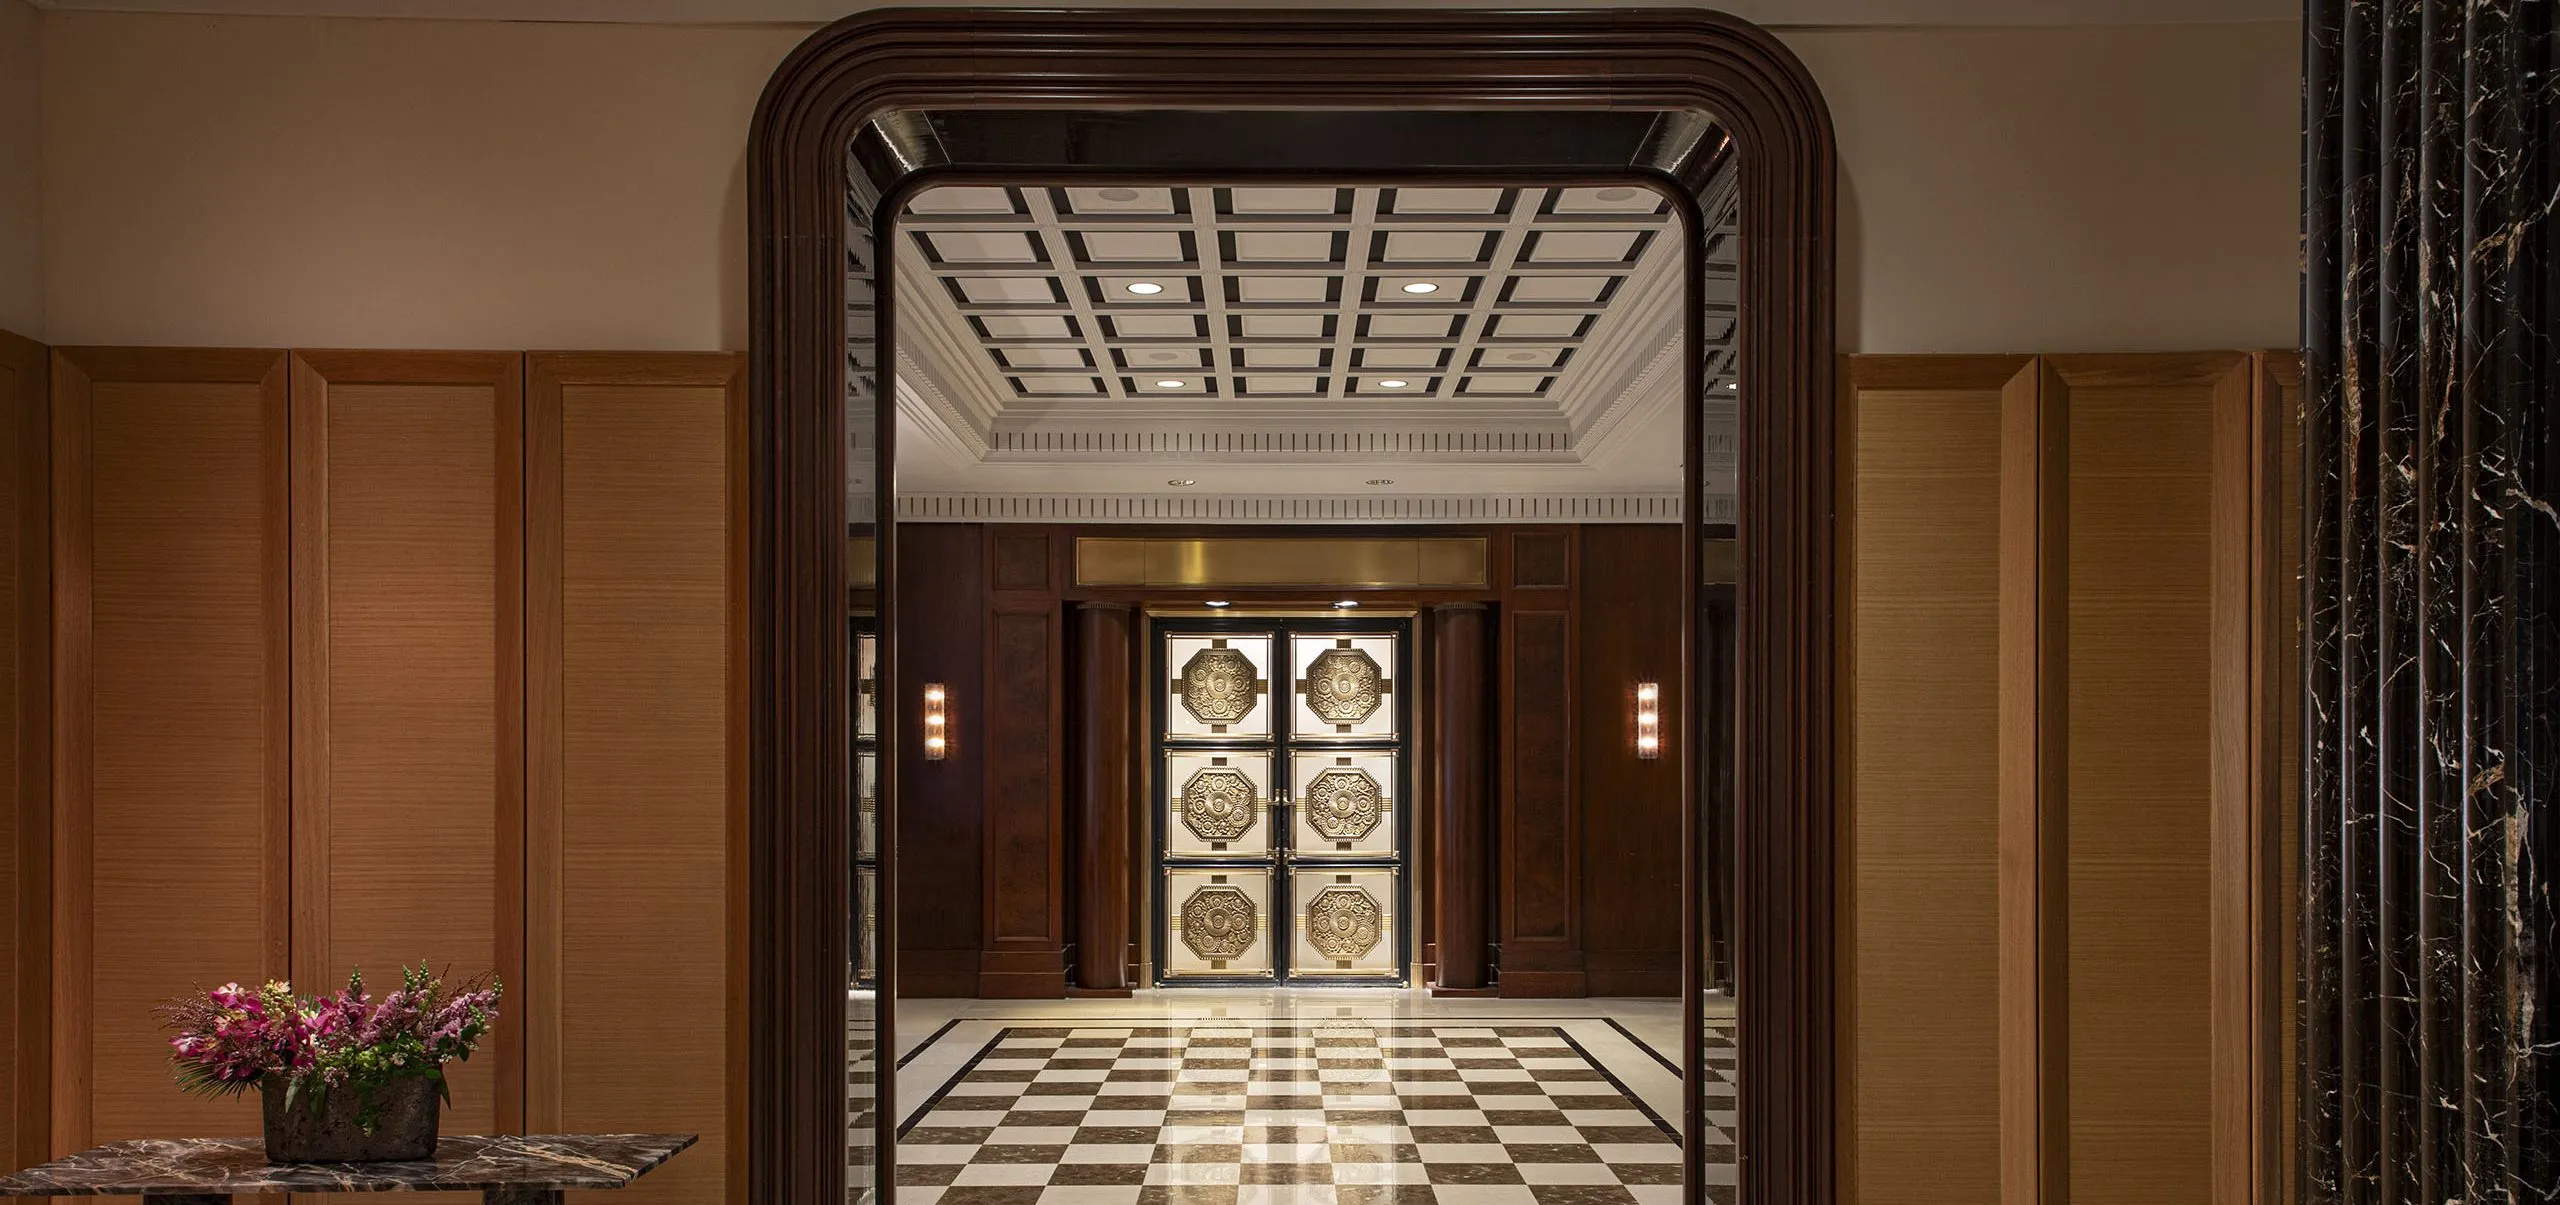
(1322, 1110)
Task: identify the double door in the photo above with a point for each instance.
(1281, 772)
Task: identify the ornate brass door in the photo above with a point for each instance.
(1281, 770)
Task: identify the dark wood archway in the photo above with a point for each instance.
(848, 75)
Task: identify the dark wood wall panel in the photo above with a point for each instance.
(1025, 922)
(26, 735)
(1024, 929)
(941, 638)
(1629, 632)
(171, 700)
(408, 604)
(1539, 842)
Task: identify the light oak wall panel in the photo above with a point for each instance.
(408, 651)
(170, 744)
(2142, 613)
(1922, 476)
(26, 733)
(633, 730)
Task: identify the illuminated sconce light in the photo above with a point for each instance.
(937, 722)
(1648, 720)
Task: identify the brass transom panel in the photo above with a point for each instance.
(1416, 562)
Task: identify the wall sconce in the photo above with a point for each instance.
(1648, 720)
(937, 722)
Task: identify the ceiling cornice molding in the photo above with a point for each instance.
(933, 350)
(1648, 315)
(1488, 447)
(1302, 508)
(930, 414)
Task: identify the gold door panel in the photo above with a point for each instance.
(1345, 923)
(866, 685)
(866, 909)
(866, 803)
(1341, 686)
(1219, 687)
(1217, 804)
(1219, 922)
(1344, 803)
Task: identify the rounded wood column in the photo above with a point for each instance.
(1103, 707)
(1460, 698)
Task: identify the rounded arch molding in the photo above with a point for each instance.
(795, 863)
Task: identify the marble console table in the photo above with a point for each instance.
(507, 1169)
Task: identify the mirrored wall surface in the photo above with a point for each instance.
(870, 712)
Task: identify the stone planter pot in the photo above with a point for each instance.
(404, 1127)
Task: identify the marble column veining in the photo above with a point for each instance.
(2431, 643)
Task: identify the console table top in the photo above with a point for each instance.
(462, 1163)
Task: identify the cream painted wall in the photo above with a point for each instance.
(2116, 189)
(21, 224)
(291, 181)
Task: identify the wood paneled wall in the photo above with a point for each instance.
(635, 715)
(1921, 444)
(942, 638)
(1539, 834)
(171, 742)
(408, 635)
(1025, 897)
(26, 749)
(985, 606)
(2152, 480)
(363, 658)
(2066, 683)
(1628, 631)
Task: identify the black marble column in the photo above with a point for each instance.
(2431, 648)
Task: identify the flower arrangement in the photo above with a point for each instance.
(231, 1038)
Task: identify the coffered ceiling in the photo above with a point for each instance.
(1301, 352)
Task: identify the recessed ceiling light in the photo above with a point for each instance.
(1119, 194)
(1382, 481)
(1523, 355)
(1164, 355)
(1348, 602)
(1393, 383)
(1215, 602)
(1733, 385)
(1617, 194)
(1422, 286)
(1145, 288)
(1182, 481)
(1170, 383)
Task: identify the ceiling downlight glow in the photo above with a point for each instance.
(1421, 286)
(1145, 288)
(1169, 383)
(1393, 383)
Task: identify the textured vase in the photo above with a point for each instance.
(404, 1124)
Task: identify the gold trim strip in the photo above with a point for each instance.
(1719, 563)
(1447, 562)
(862, 562)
